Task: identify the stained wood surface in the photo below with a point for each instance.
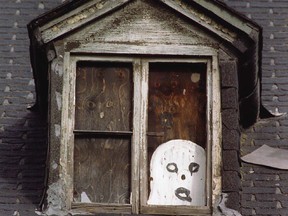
(103, 96)
(177, 103)
(102, 170)
(102, 159)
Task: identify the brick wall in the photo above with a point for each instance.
(22, 133)
(264, 190)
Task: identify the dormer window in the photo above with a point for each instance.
(133, 93)
(142, 133)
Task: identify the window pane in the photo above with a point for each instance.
(177, 103)
(177, 117)
(103, 96)
(102, 170)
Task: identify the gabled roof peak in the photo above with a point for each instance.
(73, 14)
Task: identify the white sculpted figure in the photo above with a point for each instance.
(177, 174)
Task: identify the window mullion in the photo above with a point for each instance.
(143, 134)
(135, 150)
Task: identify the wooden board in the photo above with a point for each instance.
(177, 103)
(103, 96)
(102, 170)
(102, 149)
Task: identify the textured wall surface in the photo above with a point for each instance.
(265, 190)
(22, 133)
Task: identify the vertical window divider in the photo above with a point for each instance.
(209, 112)
(143, 131)
(67, 125)
(135, 183)
(216, 135)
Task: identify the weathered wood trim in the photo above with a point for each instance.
(176, 210)
(202, 19)
(135, 199)
(228, 16)
(67, 126)
(91, 57)
(216, 123)
(143, 136)
(144, 49)
(94, 208)
(209, 112)
(78, 18)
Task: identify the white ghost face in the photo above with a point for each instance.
(177, 172)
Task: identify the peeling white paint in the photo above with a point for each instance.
(222, 210)
(85, 198)
(59, 100)
(57, 66)
(57, 130)
(54, 165)
(55, 199)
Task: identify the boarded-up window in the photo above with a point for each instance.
(177, 103)
(177, 110)
(119, 128)
(102, 155)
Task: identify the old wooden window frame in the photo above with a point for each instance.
(139, 190)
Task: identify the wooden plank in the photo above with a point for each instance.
(145, 21)
(102, 165)
(229, 16)
(143, 133)
(216, 133)
(84, 208)
(136, 140)
(102, 170)
(67, 124)
(209, 140)
(103, 96)
(78, 18)
(177, 103)
(176, 210)
(145, 49)
(202, 19)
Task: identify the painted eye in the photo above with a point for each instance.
(172, 167)
(193, 167)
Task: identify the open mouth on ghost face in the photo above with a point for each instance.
(183, 194)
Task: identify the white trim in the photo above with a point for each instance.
(145, 49)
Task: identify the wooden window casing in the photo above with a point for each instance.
(139, 130)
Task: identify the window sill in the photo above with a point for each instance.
(176, 210)
(93, 208)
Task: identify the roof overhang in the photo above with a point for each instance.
(236, 31)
